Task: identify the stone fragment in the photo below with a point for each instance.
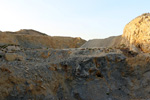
(13, 56)
(13, 48)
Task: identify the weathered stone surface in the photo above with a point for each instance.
(14, 56)
(10, 56)
(137, 33)
(75, 74)
(13, 48)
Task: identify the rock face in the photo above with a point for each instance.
(137, 33)
(36, 40)
(75, 74)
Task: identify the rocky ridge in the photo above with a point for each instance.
(37, 40)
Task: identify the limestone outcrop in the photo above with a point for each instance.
(137, 33)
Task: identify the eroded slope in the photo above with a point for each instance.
(34, 39)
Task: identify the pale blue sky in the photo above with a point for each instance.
(87, 19)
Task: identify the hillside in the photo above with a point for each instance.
(108, 42)
(35, 39)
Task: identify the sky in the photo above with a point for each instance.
(88, 19)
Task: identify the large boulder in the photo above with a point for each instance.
(137, 33)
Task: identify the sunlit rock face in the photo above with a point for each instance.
(137, 33)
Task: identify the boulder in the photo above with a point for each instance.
(137, 33)
(13, 56)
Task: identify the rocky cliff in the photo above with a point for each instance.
(34, 39)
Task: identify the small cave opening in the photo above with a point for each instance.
(98, 74)
(107, 93)
(119, 88)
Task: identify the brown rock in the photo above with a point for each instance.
(13, 56)
(13, 48)
(10, 56)
(137, 33)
